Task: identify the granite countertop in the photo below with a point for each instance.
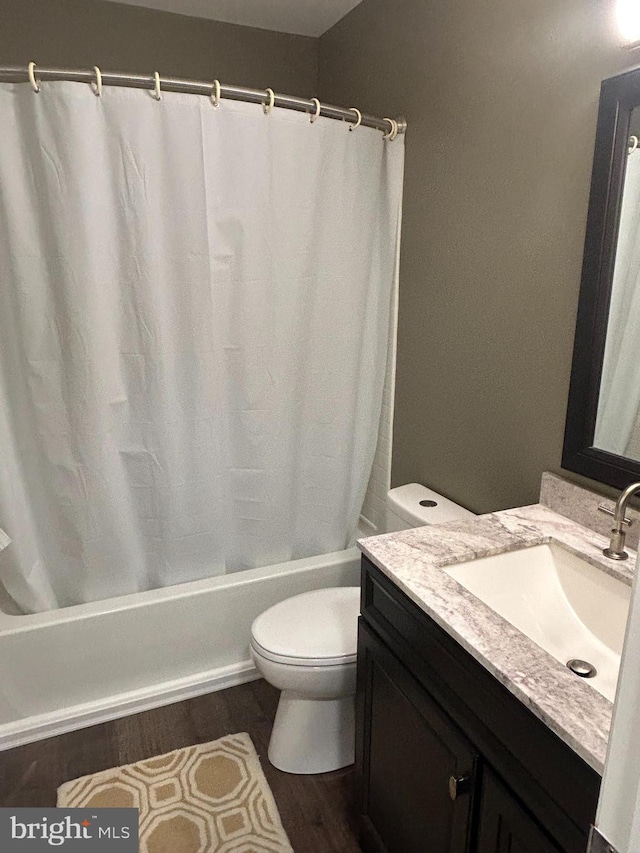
(413, 560)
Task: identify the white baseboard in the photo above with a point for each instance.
(70, 719)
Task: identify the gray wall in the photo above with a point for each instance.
(84, 33)
(502, 100)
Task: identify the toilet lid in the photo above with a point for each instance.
(318, 628)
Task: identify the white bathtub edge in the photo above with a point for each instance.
(69, 719)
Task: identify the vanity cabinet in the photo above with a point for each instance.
(447, 759)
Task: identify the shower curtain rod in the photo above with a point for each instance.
(19, 74)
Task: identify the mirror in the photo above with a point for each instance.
(602, 435)
(617, 428)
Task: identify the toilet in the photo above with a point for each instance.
(306, 647)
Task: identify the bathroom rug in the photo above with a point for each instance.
(209, 798)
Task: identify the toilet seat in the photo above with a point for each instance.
(293, 661)
(318, 628)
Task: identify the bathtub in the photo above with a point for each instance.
(67, 669)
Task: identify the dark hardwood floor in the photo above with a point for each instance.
(317, 811)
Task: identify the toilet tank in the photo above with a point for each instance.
(414, 505)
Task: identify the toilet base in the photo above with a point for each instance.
(312, 735)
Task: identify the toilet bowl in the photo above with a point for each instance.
(306, 647)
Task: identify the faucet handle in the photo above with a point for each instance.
(605, 509)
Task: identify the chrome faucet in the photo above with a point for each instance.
(618, 533)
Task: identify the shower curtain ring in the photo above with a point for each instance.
(32, 77)
(215, 95)
(266, 108)
(96, 87)
(359, 117)
(315, 115)
(157, 94)
(633, 143)
(393, 129)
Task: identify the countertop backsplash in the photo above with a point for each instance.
(581, 505)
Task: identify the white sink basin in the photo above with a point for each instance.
(564, 604)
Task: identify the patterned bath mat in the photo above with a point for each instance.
(211, 798)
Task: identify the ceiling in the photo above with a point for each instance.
(303, 17)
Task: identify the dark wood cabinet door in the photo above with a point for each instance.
(505, 825)
(410, 753)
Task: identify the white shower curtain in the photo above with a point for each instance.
(194, 314)
(618, 419)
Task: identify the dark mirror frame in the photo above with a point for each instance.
(618, 97)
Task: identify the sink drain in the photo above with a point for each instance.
(582, 668)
